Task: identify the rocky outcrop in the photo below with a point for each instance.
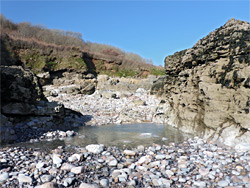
(208, 85)
(124, 85)
(22, 95)
(69, 83)
(70, 67)
(19, 85)
(61, 65)
(41, 57)
(25, 112)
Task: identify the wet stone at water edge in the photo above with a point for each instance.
(192, 163)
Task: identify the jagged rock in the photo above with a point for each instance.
(87, 88)
(124, 84)
(207, 86)
(22, 100)
(158, 85)
(19, 85)
(22, 95)
(95, 148)
(74, 83)
(44, 78)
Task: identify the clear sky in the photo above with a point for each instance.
(152, 29)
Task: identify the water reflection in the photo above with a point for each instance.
(130, 135)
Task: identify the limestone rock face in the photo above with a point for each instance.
(208, 85)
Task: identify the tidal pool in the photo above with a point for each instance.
(126, 135)
(129, 135)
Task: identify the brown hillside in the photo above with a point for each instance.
(44, 50)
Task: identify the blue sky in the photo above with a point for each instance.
(152, 29)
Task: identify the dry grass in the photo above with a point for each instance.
(29, 36)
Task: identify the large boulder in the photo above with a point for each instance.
(19, 85)
(208, 86)
(21, 100)
(22, 94)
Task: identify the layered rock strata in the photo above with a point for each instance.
(25, 110)
(208, 85)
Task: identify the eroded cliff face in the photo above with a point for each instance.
(25, 112)
(21, 99)
(208, 85)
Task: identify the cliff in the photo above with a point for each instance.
(208, 85)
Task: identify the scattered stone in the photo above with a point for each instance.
(104, 183)
(156, 182)
(132, 183)
(242, 147)
(4, 176)
(77, 170)
(86, 185)
(200, 184)
(24, 179)
(160, 157)
(46, 185)
(222, 183)
(204, 171)
(56, 159)
(113, 163)
(169, 173)
(95, 148)
(140, 148)
(164, 139)
(40, 164)
(67, 166)
(46, 178)
(75, 157)
(70, 133)
(68, 181)
(182, 180)
(129, 152)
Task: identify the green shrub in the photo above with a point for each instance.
(157, 72)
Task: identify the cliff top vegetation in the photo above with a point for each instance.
(129, 62)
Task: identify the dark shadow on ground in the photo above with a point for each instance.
(33, 127)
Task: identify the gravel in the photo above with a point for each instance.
(206, 165)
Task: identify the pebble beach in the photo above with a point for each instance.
(193, 163)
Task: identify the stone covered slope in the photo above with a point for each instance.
(208, 85)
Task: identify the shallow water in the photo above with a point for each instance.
(129, 135)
